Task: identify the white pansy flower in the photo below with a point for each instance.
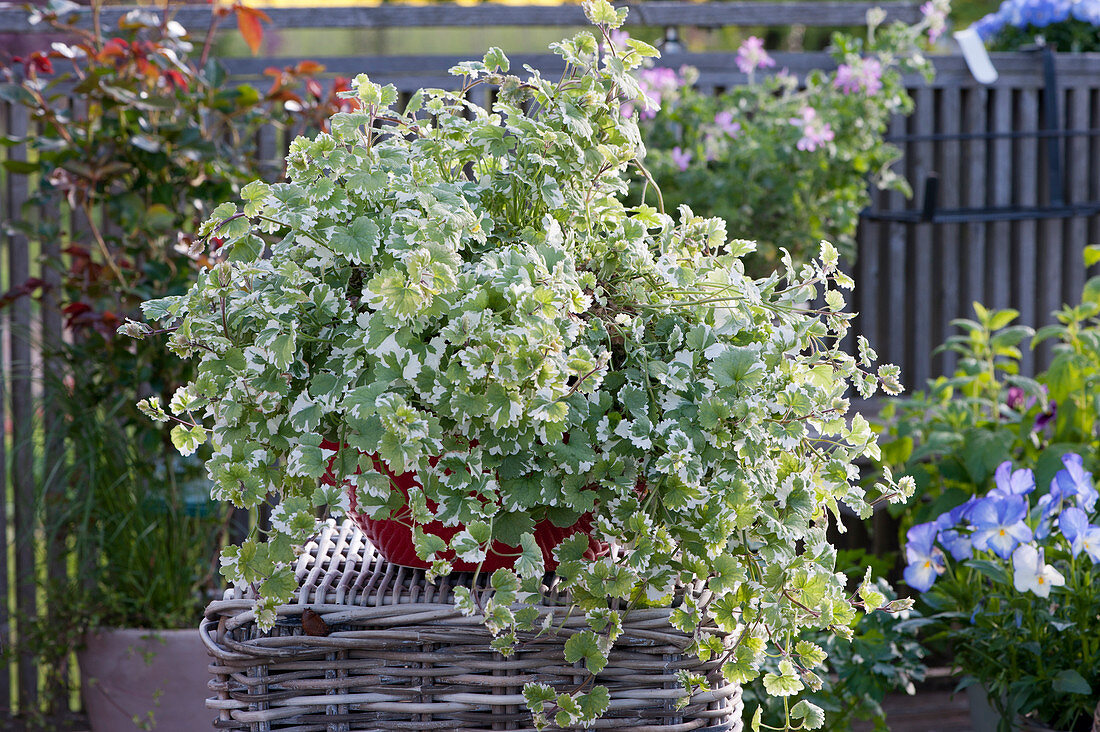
(1031, 573)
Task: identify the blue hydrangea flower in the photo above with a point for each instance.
(926, 560)
(999, 524)
(1087, 11)
(1038, 13)
(1075, 526)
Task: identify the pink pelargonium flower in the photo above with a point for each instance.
(681, 158)
(658, 84)
(815, 132)
(724, 121)
(935, 14)
(619, 38)
(752, 56)
(865, 75)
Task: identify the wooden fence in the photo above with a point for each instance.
(998, 233)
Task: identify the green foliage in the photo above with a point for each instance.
(883, 656)
(737, 155)
(462, 292)
(134, 138)
(952, 437)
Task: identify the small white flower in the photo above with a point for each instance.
(1029, 572)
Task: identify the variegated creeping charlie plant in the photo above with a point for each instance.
(470, 283)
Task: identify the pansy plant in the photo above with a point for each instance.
(1019, 598)
(465, 292)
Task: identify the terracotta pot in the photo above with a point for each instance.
(393, 537)
(156, 676)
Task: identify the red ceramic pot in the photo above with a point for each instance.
(393, 537)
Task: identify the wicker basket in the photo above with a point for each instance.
(398, 656)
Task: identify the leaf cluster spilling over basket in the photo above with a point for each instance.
(368, 645)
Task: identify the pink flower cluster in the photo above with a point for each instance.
(681, 158)
(935, 14)
(619, 39)
(751, 56)
(865, 75)
(815, 132)
(724, 121)
(657, 84)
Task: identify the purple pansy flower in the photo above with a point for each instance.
(1046, 417)
(1018, 400)
(926, 561)
(1079, 533)
(999, 524)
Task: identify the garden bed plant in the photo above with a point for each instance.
(134, 137)
(468, 294)
(784, 160)
(1019, 599)
(952, 436)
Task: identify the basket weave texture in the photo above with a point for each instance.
(399, 656)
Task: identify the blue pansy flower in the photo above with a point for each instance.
(1012, 482)
(999, 524)
(926, 561)
(953, 518)
(1071, 485)
(957, 543)
(1077, 481)
(1079, 533)
(948, 524)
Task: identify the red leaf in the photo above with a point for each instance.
(175, 79)
(252, 31)
(309, 68)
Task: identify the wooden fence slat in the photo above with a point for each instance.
(924, 287)
(1051, 243)
(999, 249)
(1077, 189)
(1026, 178)
(895, 350)
(947, 235)
(22, 429)
(6, 702)
(977, 170)
(395, 15)
(1094, 168)
(53, 453)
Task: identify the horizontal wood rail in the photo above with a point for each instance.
(650, 13)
